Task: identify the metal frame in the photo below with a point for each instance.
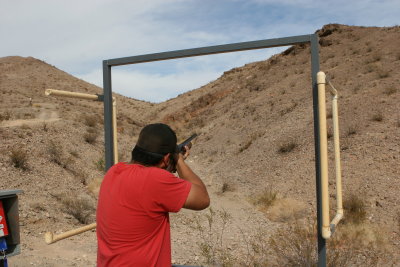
(311, 39)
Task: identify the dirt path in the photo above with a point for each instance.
(47, 114)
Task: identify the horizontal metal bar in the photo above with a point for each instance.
(201, 51)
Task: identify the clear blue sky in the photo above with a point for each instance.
(76, 36)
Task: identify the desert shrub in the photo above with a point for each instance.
(370, 68)
(287, 146)
(376, 57)
(377, 117)
(91, 130)
(329, 133)
(354, 209)
(246, 145)
(390, 90)
(6, 116)
(38, 206)
(227, 186)
(295, 247)
(398, 221)
(286, 210)
(80, 207)
(19, 158)
(257, 253)
(90, 137)
(90, 120)
(265, 199)
(94, 186)
(55, 152)
(74, 153)
(288, 109)
(252, 85)
(80, 175)
(211, 244)
(45, 127)
(101, 164)
(28, 116)
(357, 88)
(351, 130)
(347, 247)
(25, 126)
(383, 73)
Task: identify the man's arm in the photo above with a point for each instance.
(198, 198)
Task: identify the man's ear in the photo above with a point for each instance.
(165, 159)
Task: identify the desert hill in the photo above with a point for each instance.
(256, 131)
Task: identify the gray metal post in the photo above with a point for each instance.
(314, 71)
(108, 132)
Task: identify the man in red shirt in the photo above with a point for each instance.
(135, 199)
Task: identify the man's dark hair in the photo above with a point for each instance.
(155, 141)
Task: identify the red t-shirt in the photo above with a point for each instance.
(132, 215)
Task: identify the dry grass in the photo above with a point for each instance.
(398, 221)
(90, 120)
(227, 186)
(383, 73)
(377, 117)
(295, 247)
(246, 145)
(90, 137)
(5, 117)
(94, 186)
(81, 207)
(354, 207)
(376, 57)
(80, 175)
(287, 147)
(371, 68)
(45, 128)
(25, 127)
(265, 199)
(390, 90)
(101, 164)
(74, 153)
(329, 133)
(211, 244)
(286, 209)
(351, 245)
(19, 158)
(55, 152)
(38, 206)
(291, 246)
(288, 109)
(258, 251)
(351, 130)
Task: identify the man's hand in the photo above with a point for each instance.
(186, 152)
(198, 198)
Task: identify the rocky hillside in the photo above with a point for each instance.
(256, 131)
(251, 113)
